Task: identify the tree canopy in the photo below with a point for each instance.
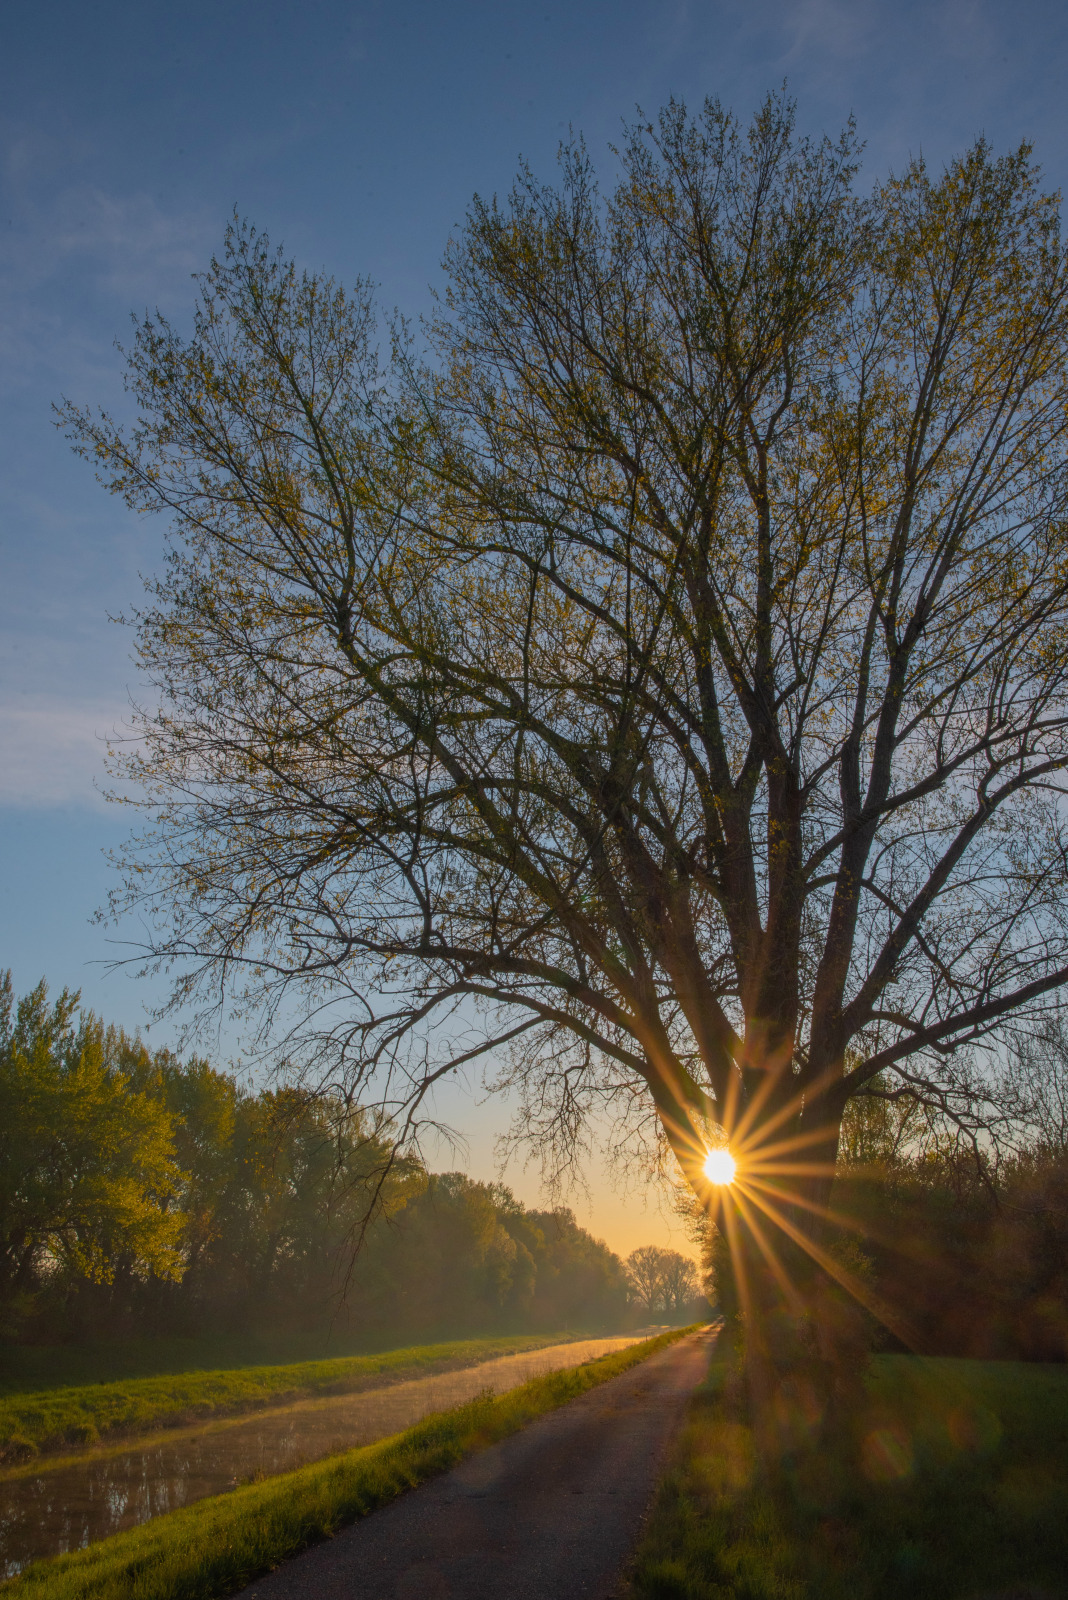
(662, 1280)
(87, 1169)
(669, 661)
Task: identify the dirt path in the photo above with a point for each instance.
(551, 1513)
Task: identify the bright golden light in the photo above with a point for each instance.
(720, 1166)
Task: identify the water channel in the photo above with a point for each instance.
(47, 1512)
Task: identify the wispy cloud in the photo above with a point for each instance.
(75, 258)
(54, 750)
(828, 30)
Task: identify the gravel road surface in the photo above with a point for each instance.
(551, 1513)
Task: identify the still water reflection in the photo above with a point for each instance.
(49, 1512)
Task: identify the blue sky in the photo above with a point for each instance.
(355, 134)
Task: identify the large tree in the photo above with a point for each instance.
(662, 674)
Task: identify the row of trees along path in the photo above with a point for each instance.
(140, 1194)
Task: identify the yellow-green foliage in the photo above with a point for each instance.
(140, 1193)
(87, 1169)
(950, 1482)
(54, 1417)
(218, 1545)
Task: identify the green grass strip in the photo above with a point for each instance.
(949, 1480)
(218, 1545)
(53, 1418)
(28, 1368)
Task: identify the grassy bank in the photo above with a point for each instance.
(53, 1418)
(952, 1482)
(26, 1367)
(216, 1546)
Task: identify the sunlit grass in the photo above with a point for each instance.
(52, 1418)
(216, 1546)
(951, 1482)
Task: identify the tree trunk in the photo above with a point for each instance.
(803, 1335)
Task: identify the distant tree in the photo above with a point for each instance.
(678, 1280)
(645, 1277)
(879, 1126)
(661, 1280)
(205, 1105)
(675, 666)
(1037, 1076)
(581, 1282)
(87, 1168)
(298, 1179)
(972, 1248)
(464, 1254)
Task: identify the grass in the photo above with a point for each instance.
(52, 1418)
(216, 1546)
(26, 1368)
(952, 1483)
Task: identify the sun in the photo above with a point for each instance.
(720, 1166)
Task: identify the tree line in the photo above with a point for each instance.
(141, 1194)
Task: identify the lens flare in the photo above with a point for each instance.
(720, 1166)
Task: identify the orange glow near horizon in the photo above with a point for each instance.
(720, 1166)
